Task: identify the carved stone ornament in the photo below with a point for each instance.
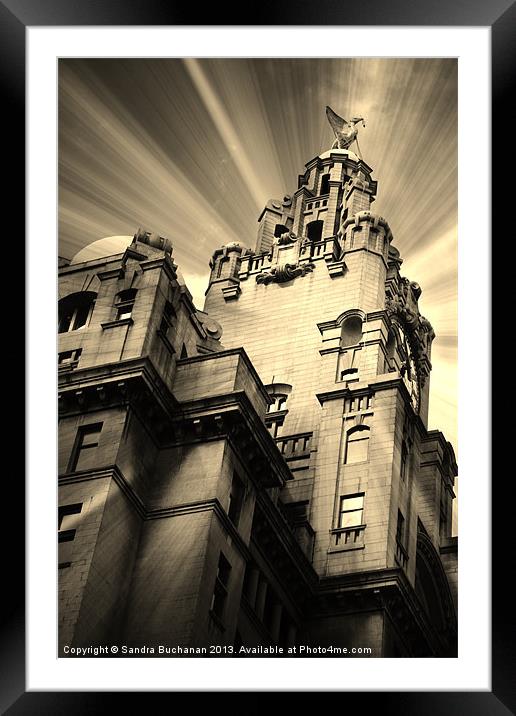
(283, 273)
(419, 330)
(289, 237)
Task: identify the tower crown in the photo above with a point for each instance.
(336, 184)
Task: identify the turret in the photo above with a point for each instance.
(225, 267)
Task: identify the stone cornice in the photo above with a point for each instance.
(115, 378)
(116, 273)
(197, 326)
(272, 209)
(356, 580)
(376, 385)
(359, 389)
(354, 250)
(438, 465)
(117, 323)
(228, 352)
(108, 471)
(334, 155)
(229, 414)
(451, 546)
(131, 253)
(378, 316)
(233, 415)
(164, 262)
(368, 217)
(102, 261)
(157, 513)
(387, 589)
(445, 446)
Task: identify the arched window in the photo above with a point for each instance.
(280, 229)
(280, 401)
(325, 184)
(222, 261)
(357, 444)
(428, 591)
(351, 333)
(277, 409)
(314, 230)
(125, 303)
(75, 311)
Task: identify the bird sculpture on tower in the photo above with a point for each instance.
(345, 132)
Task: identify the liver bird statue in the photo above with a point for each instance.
(345, 132)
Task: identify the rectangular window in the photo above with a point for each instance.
(168, 319)
(349, 374)
(76, 318)
(124, 310)
(67, 358)
(325, 184)
(81, 316)
(125, 303)
(351, 510)
(236, 499)
(68, 519)
(400, 530)
(85, 443)
(220, 591)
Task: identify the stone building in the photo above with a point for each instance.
(260, 472)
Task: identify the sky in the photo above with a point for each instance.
(193, 149)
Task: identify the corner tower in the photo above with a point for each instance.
(336, 335)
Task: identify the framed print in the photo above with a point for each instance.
(245, 468)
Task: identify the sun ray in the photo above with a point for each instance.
(193, 149)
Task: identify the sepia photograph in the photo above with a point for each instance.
(257, 357)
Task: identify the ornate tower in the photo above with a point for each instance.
(258, 474)
(335, 333)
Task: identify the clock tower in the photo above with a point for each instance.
(336, 334)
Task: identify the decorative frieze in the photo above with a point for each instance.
(287, 272)
(401, 304)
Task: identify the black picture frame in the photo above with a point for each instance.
(15, 17)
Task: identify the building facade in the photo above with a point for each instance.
(259, 473)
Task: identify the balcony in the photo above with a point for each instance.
(296, 450)
(347, 538)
